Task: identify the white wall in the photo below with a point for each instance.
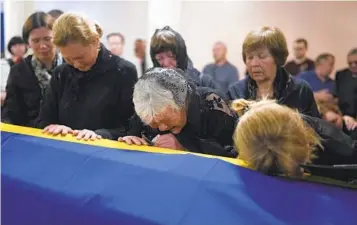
(328, 26)
(127, 17)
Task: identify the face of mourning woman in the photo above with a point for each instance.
(81, 57)
(261, 65)
(40, 40)
(169, 119)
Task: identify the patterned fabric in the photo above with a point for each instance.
(43, 75)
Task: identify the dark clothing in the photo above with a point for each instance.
(224, 75)
(210, 125)
(11, 62)
(294, 69)
(315, 83)
(201, 80)
(99, 99)
(289, 91)
(338, 148)
(23, 95)
(346, 92)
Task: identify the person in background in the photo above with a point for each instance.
(196, 119)
(319, 79)
(346, 86)
(116, 43)
(17, 48)
(264, 53)
(55, 13)
(275, 139)
(90, 96)
(222, 72)
(300, 63)
(168, 50)
(140, 53)
(29, 79)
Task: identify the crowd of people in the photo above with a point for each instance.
(277, 119)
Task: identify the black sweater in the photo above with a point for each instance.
(99, 99)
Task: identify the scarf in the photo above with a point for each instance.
(42, 74)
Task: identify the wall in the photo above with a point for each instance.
(328, 26)
(127, 17)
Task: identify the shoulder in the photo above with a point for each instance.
(300, 84)
(305, 74)
(291, 62)
(208, 67)
(214, 101)
(238, 86)
(342, 72)
(23, 68)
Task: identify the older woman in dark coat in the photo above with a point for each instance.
(264, 53)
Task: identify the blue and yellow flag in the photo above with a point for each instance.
(60, 181)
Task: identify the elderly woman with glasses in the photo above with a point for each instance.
(193, 118)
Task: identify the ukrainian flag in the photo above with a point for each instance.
(61, 181)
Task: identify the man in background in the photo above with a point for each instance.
(116, 43)
(319, 78)
(346, 86)
(221, 71)
(55, 13)
(300, 63)
(140, 54)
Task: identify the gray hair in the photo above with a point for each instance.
(157, 89)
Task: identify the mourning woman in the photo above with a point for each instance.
(276, 139)
(90, 96)
(194, 119)
(29, 78)
(264, 53)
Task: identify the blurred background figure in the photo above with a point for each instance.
(300, 63)
(221, 71)
(116, 43)
(55, 13)
(140, 54)
(17, 48)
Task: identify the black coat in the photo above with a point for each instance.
(346, 92)
(292, 92)
(99, 99)
(338, 148)
(23, 95)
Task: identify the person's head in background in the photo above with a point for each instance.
(116, 43)
(17, 48)
(219, 53)
(273, 138)
(140, 48)
(264, 51)
(78, 40)
(37, 33)
(352, 60)
(55, 13)
(168, 49)
(300, 49)
(324, 65)
(331, 113)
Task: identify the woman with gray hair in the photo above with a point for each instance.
(193, 119)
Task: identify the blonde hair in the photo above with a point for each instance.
(74, 27)
(273, 138)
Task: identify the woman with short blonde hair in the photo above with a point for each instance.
(276, 139)
(90, 96)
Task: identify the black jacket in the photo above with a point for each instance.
(289, 91)
(346, 92)
(23, 95)
(209, 129)
(99, 99)
(338, 148)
